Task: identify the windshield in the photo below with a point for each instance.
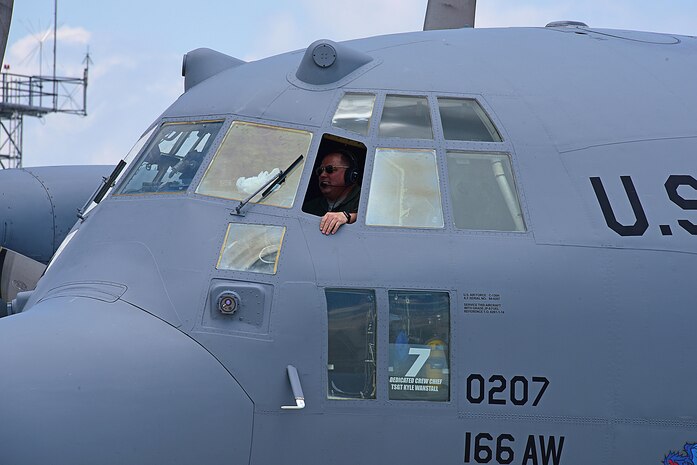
(126, 162)
(172, 159)
(250, 156)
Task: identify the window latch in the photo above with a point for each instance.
(297, 390)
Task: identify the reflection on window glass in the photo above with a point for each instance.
(354, 113)
(250, 156)
(172, 159)
(404, 189)
(464, 119)
(419, 345)
(482, 192)
(251, 247)
(352, 354)
(135, 150)
(407, 117)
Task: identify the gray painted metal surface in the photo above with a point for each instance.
(449, 14)
(148, 390)
(5, 20)
(38, 206)
(202, 63)
(122, 337)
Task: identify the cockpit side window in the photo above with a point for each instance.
(419, 359)
(354, 113)
(406, 117)
(404, 189)
(250, 156)
(352, 340)
(251, 247)
(419, 345)
(464, 119)
(483, 193)
(335, 185)
(172, 159)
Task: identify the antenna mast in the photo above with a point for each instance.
(55, 46)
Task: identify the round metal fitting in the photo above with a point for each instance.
(228, 303)
(324, 55)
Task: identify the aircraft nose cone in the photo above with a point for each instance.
(88, 382)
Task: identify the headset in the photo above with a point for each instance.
(352, 173)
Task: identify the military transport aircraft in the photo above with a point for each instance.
(518, 287)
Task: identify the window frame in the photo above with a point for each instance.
(154, 130)
(325, 356)
(382, 349)
(262, 124)
(439, 183)
(373, 113)
(441, 146)
(515, 186)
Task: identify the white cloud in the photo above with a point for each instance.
(23, 54)
(73, 35)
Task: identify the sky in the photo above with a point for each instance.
(136, 49)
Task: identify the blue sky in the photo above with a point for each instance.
(137, 49)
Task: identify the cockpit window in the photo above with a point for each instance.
(249, 157)
(172, 159)
(419, 362)
(464, 119)
(251, 247)
(404, 189)
(123, 166)
(354, 113)
(406, 117)
(482, 192)
(352, 343)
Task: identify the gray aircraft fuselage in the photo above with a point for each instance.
(569, 342)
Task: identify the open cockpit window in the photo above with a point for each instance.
(482, 192)
(335, 185)
(352, 357)
(172, 159)
(406, 117)
(354, 113)
(404, 189)
(249, 157)
(464, 119)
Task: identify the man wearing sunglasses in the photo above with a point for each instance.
(337, 177)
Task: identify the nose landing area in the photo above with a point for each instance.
(85, 382)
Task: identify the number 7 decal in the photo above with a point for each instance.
(423, 355)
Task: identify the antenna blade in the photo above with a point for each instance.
(449, 14)
(5, 18)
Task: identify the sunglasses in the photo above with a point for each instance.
(329, 169)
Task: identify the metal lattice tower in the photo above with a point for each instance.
(35, 96)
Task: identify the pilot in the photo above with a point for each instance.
(338, 183)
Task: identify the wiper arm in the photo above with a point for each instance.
(268, 186)
(98, 196)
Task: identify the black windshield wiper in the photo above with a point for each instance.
(101, 192)
(268, 186)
